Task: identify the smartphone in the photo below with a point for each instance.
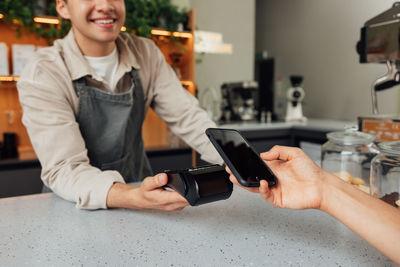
(244, 162)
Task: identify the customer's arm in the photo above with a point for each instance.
(303, 185)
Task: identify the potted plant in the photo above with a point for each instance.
(143, 15)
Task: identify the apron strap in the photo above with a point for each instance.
(79, 86)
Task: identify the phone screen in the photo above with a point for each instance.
(240, 157)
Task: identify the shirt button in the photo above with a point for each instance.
(82, 92)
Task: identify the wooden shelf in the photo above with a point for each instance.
(9, 78)
(162, 32)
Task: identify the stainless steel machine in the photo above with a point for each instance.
(380, 43)
(239, 101)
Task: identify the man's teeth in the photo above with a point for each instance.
(104, 21)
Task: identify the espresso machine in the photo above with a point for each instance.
(239, 101)
(379, 43)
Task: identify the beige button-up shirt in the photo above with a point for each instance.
(50, 105)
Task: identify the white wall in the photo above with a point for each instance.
(235, 19)
(317, 39)
(182, 3)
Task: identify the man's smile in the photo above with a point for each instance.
(107, 22)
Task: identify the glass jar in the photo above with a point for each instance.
(385, 173)
(348, 155)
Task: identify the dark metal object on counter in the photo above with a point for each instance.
(391, 199)
(265, 76)
(385, 173)
(379, 43)
(239, 101)
(10, 146)
(201, 185)
(379, 40)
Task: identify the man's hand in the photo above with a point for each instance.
(150, 195)
(299, 179)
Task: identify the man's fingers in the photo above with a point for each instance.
(165, 199)
(176, 206)
(151, 183)
(175, 197)
(157, 198)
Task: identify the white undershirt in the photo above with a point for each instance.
(105, 67)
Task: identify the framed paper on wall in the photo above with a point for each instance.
(21, 54)
(4, 70)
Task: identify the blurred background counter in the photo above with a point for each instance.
(21, 177)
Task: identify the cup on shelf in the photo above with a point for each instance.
(1, 150)
(10, 145)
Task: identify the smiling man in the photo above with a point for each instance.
(84, 101)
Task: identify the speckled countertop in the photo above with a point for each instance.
(44, 230)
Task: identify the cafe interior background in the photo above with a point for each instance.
(309, 38)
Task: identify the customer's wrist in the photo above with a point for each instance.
(332, 187)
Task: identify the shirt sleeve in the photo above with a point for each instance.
(55, 135)
(181, 110)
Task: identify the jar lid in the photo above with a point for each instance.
(351, 137)
(390, 147)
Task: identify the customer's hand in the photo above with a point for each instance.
(149, 195)
(300, 182)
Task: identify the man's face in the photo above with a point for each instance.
(94, 20)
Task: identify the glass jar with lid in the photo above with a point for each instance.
(348, 155)
(385, 173)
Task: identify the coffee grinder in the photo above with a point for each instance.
(295, 96)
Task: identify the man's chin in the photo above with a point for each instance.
(106, 39)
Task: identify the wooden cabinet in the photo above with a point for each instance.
(179, 53)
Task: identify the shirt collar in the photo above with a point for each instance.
(78, 66)
(127, 58)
